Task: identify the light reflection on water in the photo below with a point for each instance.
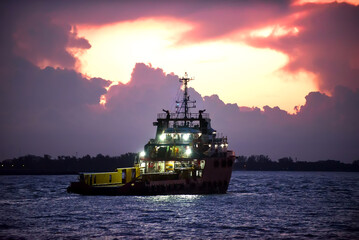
(257, 205)
(171, 198)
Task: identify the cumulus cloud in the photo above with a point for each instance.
(46, 44)
(326, 44)
(56, 112)
(49, 110)
(324, 128)
(33, 34)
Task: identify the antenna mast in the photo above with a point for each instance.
(186, 103)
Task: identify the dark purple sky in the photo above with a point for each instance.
(55, 110)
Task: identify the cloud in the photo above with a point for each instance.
(46, 44)
(49, 110)
(56, 112)
(29, 31)
(210, 19)
(326, 44)
(324, 128)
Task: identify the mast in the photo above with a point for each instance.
(186, 103)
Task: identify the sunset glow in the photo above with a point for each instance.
(301, 2)
(88, 77)
(275, 31)
(235, 71)
(117, 47)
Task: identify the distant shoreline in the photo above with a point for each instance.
(264, 163)
(70, 165)
(17, 172)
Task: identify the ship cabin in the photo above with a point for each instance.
(182, 143)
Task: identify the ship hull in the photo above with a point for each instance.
(214, 180)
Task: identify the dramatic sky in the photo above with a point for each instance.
(279, 78)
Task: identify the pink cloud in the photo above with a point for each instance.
(37, 38)
(327, 44)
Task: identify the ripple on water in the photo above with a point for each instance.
(277, 205)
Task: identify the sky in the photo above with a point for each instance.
(279, 78)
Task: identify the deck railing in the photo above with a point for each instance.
(181, 115)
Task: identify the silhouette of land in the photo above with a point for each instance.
(264, 163)
(31, 164)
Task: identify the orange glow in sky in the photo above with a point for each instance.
(301, 2)
(235, 71)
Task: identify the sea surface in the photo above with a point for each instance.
(258, 205)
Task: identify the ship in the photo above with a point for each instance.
(187, 156)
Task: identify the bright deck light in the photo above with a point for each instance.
(188, 151)
(162, 137)
(186, 136)
(142, 154)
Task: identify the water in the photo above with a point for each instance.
(266, 205)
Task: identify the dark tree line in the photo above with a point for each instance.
(264, 163)
(31, 164)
